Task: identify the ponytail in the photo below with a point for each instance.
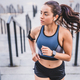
(69, 18)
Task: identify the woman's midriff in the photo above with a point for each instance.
(49, 63)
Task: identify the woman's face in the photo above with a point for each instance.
(46, 16)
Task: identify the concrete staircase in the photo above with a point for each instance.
(24, 69)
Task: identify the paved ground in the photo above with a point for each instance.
(24, 63)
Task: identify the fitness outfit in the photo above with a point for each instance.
(53, 43)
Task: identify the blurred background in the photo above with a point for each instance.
(17, 17)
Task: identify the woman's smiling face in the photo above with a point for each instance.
(46, 16)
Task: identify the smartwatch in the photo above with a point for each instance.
(54, 53)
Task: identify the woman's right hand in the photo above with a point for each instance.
(35, 57)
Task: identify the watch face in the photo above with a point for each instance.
(54, 53)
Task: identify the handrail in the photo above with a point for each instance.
(11, 18)
(15, 35)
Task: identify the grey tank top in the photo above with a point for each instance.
(49, 41)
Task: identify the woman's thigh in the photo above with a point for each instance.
(39, 78)
(62, 79)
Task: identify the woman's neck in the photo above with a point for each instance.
(51, 28)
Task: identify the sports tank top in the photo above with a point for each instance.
(48, 41)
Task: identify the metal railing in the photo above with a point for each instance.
(2, 26)
(11, 9)
(77, 8)
(15, 35)
(20, 9)
(2, 10)
(28, 24)
(34, 7)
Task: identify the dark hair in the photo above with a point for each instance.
(67, 16)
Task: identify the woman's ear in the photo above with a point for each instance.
(55, 18)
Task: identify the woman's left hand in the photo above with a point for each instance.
(46, 51)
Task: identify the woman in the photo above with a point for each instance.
(51, 39)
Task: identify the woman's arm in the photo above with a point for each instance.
(35, 56)
(67, 46)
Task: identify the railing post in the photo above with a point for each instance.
(30, 24)
(15, 38)
(24, 40)
(5, 27)
(77, 41)
(33, 10)
(21, 40)
(22, 9)
(9, 44)
(76, 50)
(26, 24)
(0, 75)
(1, 27)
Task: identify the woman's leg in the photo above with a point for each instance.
(62, 79)
(39, 78)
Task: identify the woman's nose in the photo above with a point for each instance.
(41, 16)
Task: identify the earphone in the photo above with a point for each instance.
(54, 19)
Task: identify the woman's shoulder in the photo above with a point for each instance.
(35, 30)
(65, 32)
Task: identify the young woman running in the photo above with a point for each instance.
(52, 38)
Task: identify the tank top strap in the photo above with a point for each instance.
(58, 29)
(55, 32)
(42, 28)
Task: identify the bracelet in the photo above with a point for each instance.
(54, 53)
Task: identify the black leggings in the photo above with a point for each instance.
(54, 74)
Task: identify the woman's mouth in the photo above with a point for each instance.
(41, 21)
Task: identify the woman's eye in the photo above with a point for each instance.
(40, 12)
(46, 14)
